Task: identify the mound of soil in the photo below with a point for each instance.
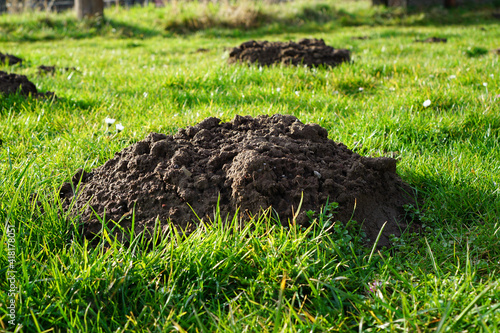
(9, 59)
(432, 40)
(247, 163)
(309, 52)
(13, 83)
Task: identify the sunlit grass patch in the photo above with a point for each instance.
(228, 277)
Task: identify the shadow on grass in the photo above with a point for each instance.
(57, 27)
(314, 18)
(16, 103)
(464, 209)
(251, 23)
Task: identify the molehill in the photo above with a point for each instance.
(13, 83)
(248, 164)
(9, 59)
(307, 52)
(432, 40)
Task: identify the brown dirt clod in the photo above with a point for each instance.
(248, 164)
(307, 52)
(13, 83)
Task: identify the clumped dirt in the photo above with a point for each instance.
(308, 52)
(9, 59)
(13, 83)
(247, 163)
(432, 40)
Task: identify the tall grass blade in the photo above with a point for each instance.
(376, 242)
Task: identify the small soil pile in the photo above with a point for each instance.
(202, 50)
(248, 163)
(13, 83)
(43, 69)
(432, 40)
(308, 52)
(9, 59)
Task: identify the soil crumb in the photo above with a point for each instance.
(13, 83)
(307, 52)
(432, 40)
(9, 59)
(248, 164)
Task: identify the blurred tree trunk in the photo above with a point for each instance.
(450, 3)
(89, 8)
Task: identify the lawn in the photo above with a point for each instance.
(142, 67)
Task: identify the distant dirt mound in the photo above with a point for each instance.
(45, 69)
(9, 59)
(432, 40)
(308, 52)
(13, 83)
(248, 163)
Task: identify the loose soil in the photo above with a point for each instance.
(308, 52)
(9, 59)
(13, 83)
(248, 164)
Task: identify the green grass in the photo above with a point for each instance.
(262, 277)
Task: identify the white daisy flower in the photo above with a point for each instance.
(109, 121)
(119, 127)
